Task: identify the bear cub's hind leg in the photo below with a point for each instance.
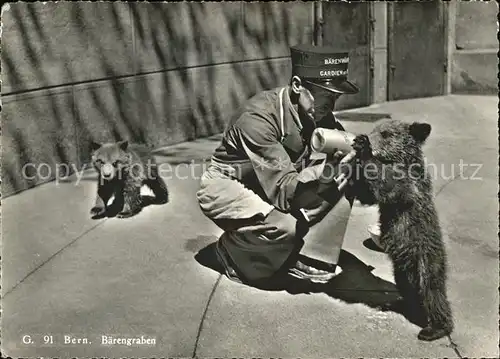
(159, 188)
(439, 314)
(132, 201)
(410, 304)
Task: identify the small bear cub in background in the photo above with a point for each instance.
(122, 171)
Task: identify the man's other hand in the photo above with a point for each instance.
(316, 214)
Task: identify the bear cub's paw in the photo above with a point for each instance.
(430, 334)
(96, 212)
(362, 146)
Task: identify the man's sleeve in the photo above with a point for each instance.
(272, 164)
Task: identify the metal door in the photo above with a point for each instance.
(347, 26)
(416, 49)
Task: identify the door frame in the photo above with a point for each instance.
(390, 41)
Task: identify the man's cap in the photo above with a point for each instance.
(323, 65)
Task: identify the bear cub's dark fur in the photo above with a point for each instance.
(395, 178)
(122, 171)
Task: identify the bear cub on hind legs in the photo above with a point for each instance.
(394, 177)
(122, 171)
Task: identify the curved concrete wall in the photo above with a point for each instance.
(152, 73)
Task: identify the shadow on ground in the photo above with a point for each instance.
(117, 206)
(356, 284)
(370, 244)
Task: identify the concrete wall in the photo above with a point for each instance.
(474, 56)
(151, 73)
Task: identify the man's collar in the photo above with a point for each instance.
(289, 110)
(291, 114)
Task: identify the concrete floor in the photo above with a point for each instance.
(65, 274)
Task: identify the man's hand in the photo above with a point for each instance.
(336, 157)
(316, 214)
(332, 169)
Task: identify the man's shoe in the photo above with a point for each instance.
(309, 273)
(223, 259)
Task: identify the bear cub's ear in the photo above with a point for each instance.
(420, 131)
(94, 146)
(123, 145)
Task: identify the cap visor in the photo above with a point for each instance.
(343, 87)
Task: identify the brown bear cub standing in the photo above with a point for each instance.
(122, 171)
(394, 177)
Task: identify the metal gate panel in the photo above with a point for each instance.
(416, 50)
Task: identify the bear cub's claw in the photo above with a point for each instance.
(124, 214)
(430, 334)
(362, 146)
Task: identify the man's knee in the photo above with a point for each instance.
(285, 226)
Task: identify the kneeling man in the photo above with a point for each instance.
(262, 183)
